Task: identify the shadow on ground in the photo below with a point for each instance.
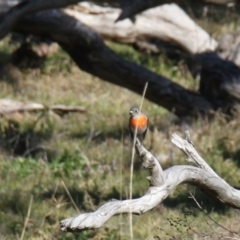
(18, 142)
(185, 200)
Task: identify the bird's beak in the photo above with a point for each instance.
(130, 112)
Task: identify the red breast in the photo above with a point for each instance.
(139, 121)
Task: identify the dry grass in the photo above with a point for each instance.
(91, 153)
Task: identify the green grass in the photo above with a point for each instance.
(91, 154)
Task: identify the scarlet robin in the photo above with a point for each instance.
(138, 122)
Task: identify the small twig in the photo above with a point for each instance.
(187, 147)
(27, 218)
(143, 95)
(132, 161)
(88, 163)
(69, 195)
(213, 229)
(49, 213)
(195, 200)
(199, 234)
(188, 137)
(131, 181)
(218, 224)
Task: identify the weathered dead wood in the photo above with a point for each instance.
(9, 106)
(90, 53)
(229, 47)
(12, 11)
(94, 57)
(162, 183)
(136, 6)
(167, 23)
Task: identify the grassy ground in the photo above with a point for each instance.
(89, 155)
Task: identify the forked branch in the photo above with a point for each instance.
(162, 183)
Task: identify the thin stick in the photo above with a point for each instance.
(211, 217)
(27, 218)
(218, 224)
(132, 163)
(121, 184)
(69, 195)
(195, 200)
(143, 95)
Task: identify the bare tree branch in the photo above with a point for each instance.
(150, 162)
(203, 177)
(94, 57)
(24, 7)
(193, 157)
(12, 12)
(90, 53)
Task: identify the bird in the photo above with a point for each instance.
(138, 122)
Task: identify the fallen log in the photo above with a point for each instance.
(20, 8)
(9, 106)
(90, 53)
(95, 57)
(167, 23)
